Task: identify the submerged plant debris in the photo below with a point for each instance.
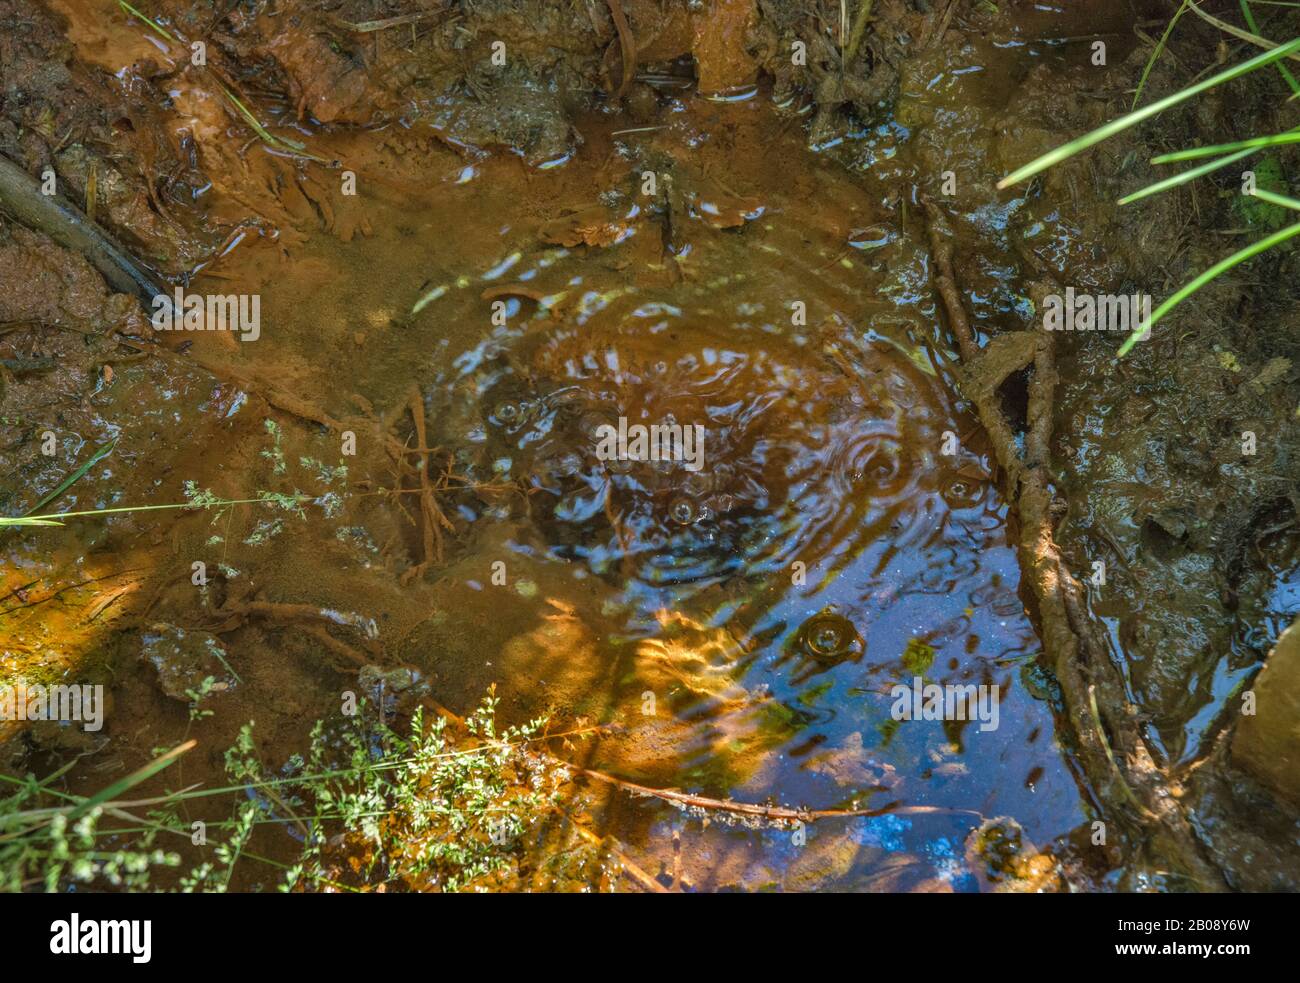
(853, 446)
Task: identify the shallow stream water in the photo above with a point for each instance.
(743, 620)
(766, 604)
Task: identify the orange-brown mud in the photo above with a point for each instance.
(527, 257)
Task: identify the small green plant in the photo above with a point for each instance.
(918, 657)
(196, 497)
(196, 697)
(50, 839)
(276, 453)
(417, 810)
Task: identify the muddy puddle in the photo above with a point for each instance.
(743, 612)
(469, 317)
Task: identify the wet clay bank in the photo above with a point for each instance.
(655, 216)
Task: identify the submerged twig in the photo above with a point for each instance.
(630, 867)
(627, 45)
(770, 813)
(369, 26)
(432, 519)
(222, 369)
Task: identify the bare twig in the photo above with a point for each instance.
(769, 813)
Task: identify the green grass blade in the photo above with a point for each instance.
(1146, 112)
(1217, 269)
(156, 26)
(1236, 32)
(287, 144)
(1156, 53)
(1254, 143)
(76, 476)
(1189, 175)
(256, 124)
(1275, 199)
(1285, 72)
(52, 518)
(135, 778)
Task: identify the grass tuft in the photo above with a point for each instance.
(369, 807)
(1225, 153)
(1066, 151)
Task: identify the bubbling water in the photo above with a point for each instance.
(830, 638)
(804, 447)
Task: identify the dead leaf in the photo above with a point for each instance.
(594, 226)
(851, 766)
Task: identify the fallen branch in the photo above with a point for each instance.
(1108, 744)
(67, 225)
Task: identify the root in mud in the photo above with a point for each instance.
(1112, 754)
